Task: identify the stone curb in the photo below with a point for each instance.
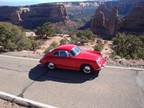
(23, 102)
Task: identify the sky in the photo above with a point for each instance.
(28, 2)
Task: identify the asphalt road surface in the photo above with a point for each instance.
(113, 88)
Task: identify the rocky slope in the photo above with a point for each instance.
(34, 15)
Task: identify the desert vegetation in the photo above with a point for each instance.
(82, 37)
(45, 31)
(79, 38)
(51, 46)
(64, 41)
(129, 46)
(98, 47)
(13, 38)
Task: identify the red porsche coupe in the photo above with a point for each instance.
(70, 56)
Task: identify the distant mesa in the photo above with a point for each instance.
(34, 15)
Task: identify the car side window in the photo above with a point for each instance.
(64, 54)
(56, 53)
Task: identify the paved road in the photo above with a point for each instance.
(114, 88)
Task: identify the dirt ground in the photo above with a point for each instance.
(46, 44)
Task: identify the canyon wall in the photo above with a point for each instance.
(34, 15)
(112, 17)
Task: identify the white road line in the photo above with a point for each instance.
(107, 66)
(23, 58)
(127, 68)
(23, 101)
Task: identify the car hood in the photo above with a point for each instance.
(88, 55)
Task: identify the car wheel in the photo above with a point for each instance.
(51, 65)
(87, 69)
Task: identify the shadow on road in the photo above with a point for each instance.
(40, 73)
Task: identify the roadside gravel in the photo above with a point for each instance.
(126, 63)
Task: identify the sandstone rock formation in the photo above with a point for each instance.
(105, 21)
(16, 15)
(109, 19)
(34, 15)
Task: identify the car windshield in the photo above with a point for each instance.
(75, 51)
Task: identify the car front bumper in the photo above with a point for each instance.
(101, 64)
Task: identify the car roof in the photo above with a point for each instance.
(67, 47)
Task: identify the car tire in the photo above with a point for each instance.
(51, 66)
(87, 69)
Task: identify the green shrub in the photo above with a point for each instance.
(85, 36)
(129, 46)
(74, 39)
(45, 31)
(98, 47)
(13, 38)
(64, 41)
(51, 46)
(24, 43)
(35, 43)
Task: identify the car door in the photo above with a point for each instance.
(64, 60)
(55, 58)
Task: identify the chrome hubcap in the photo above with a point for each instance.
(87, 69)
(51, 66)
